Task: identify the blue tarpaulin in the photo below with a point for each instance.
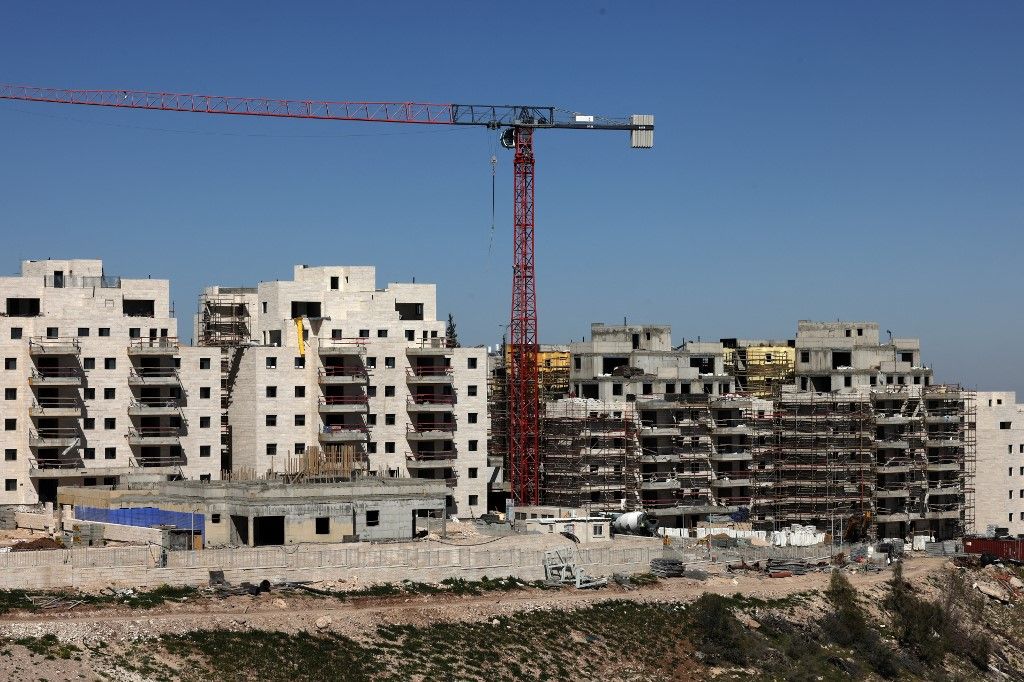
(147, 517)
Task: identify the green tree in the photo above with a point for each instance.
(451, 336)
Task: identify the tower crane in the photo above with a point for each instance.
(517, 124)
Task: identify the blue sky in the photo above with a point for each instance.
(812, 160)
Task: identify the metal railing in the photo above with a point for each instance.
(343, 428)
(343, 371)
(143, 373)
(44, 403)
(56, 373)
(155, 402)
(431, 399)
(344, 400)
(55, 462)
(168, 343)
(425, 427)
(431, 456)
(54, 344)
(53, 433)
(155, 432)
(430, 371)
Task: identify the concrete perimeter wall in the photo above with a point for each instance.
(94, 568)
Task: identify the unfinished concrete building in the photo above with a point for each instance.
(96, 384)
(339, 372)
(252, 514)
(863, 442)
(650, 425)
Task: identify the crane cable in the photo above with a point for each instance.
(490, 243)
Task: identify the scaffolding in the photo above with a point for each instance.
(589, 456)
(224, 317)
(819, 460)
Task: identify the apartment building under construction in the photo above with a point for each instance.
(836, 429)
(326, 374)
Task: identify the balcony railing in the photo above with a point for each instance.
(44, 463)
(154, 432)
(343, 375)
(343, 400)
(433, 456)
(158, 345)
(43, 345)
(56, 373)
(430, 371)
(428, 427)
(153, 375)
(43, 406)
(53, 436)
(431, 399)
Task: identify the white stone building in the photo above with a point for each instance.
(96, 384)
(999, 478)
(361, 373)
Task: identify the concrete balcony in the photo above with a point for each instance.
(729, 482)
(154, 407)
(893, 444)
(155, 435)
(435, 346)
(56, 407)
(651, 482)
(431, 431)
(431, 403)
(735, 456)
(944, 443)
(892, 493)
(330, 376)
(942, 418)
(343, 433)
(942, 466)
(154, 376)
(164, 461)
(443, 459)
(429, 375)
(892, 420)
(334, 404)
(731, 430)
(62, 437)
(163, 345)
(45, 346)
(653, 430)
(891, 516)
(47, 467)
(59, 376)
(336, 347)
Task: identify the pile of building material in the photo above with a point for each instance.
(667, 568)
(797, 536)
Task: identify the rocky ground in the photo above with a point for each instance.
(728, 626)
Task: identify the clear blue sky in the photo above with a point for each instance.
(812, 160)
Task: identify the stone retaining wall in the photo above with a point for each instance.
(94, 568)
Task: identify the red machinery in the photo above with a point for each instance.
(517, 123)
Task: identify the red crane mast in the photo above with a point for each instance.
(517, 123)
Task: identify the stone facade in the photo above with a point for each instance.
(999, 481)
(362, 374)
(96, 384)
